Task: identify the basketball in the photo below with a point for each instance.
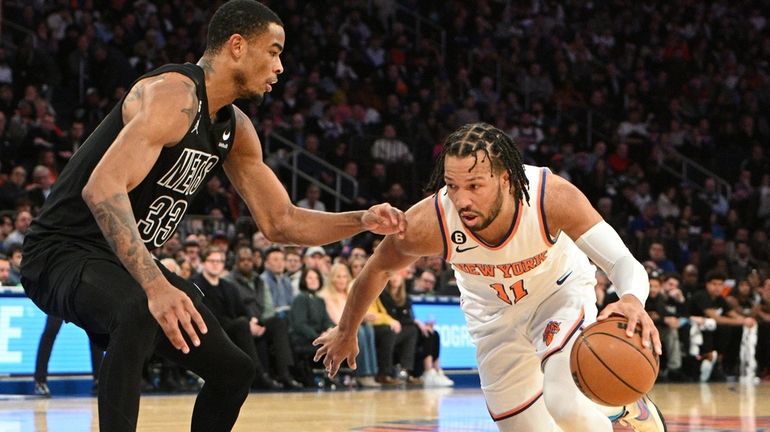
(611, 368)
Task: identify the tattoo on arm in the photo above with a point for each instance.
(116, 220)
(135, 93)
(192, 110)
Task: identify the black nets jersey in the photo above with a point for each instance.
(160, 201)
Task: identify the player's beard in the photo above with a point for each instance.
(243, 91)
(493, 213)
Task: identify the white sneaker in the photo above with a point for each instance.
(368, 382)
(429, 378)
(643, 416)
(706, 366)
(444, 380)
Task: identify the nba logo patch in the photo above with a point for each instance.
(551, 329)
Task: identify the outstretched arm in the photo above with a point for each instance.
(568, 210)
(422, 238)
(157, 113)
(277, 217)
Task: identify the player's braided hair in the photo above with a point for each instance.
(495, 144)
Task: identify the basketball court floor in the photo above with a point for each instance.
(688, 407)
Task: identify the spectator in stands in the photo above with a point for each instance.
(742, 299)
(742, 263)
(40, 188)
(14, 258)
(309, 318)
(276, 280)
(293, 268)
(356, 264)
(730, 323)
(275, 316)
(690, 280)
(260, 242)
(657, 254)
(13, 189)
(5, 271)
(713, 198)
(655, 305)
(390, 149)
(619, 160)
(223, 299)
(313, 258)
(396, 302)
(425, 283)
(668, 205)
(677, 333)
(335, 295)
(527, 135)
(192, 253)
(20, 224)
(251, 288)
(312, 199)
(6, 227)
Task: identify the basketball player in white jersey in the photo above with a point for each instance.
(518, 238)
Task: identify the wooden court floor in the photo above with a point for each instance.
(688, 407)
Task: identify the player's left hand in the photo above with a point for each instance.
(384, 219)
(334, 348)
(631, 308)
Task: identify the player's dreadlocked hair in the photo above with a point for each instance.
(245, 17)
(496, 145)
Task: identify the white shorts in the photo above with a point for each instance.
(512, 344)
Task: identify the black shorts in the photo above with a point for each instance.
(53, 274)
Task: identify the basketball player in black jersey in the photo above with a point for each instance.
(86, 256)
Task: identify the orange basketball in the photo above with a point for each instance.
(611, 368)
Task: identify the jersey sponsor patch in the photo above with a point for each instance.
(458, 237)
(551, 329)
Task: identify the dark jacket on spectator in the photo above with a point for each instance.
(308, 318)
(223, 300)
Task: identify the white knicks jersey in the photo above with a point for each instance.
(525, 268)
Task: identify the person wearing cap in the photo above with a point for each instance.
(312, 257)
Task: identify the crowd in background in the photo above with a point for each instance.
(607, 94)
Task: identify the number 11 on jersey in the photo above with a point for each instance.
(517, 289)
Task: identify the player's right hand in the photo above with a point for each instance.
(173, 308)
(335, 348)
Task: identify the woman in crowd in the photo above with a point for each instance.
(309, 318)
(335, 293)
(415, 337)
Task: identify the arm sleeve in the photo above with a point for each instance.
(605, 248)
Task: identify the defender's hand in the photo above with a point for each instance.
(631, 308)
(173, 308)
(335, 348)
(384, 219)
